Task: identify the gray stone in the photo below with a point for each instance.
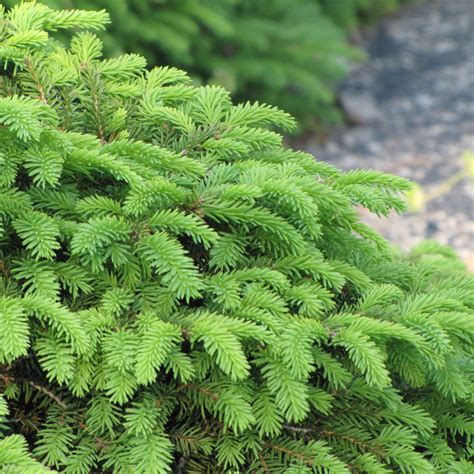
(360, 109)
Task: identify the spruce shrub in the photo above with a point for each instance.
(181, 293)
(351, 13)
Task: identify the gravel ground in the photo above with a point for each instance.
(413, 102)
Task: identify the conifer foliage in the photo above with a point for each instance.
(180, 293)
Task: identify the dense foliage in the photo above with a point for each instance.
(351, 13)
(181, 293)
(288, 53)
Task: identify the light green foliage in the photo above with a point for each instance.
(180, 293)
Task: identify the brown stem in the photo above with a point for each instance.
(203, 390)
(308, 461)
(36, 80)
(361, 444)
(7, 378)
(263, 463)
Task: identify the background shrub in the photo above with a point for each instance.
(288, 53)
(178, 292)
(351, 13)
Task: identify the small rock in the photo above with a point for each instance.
(431, 228)
(360, 109)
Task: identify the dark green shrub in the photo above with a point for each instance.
(351, 13)
(282, 52)
(180, 293)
